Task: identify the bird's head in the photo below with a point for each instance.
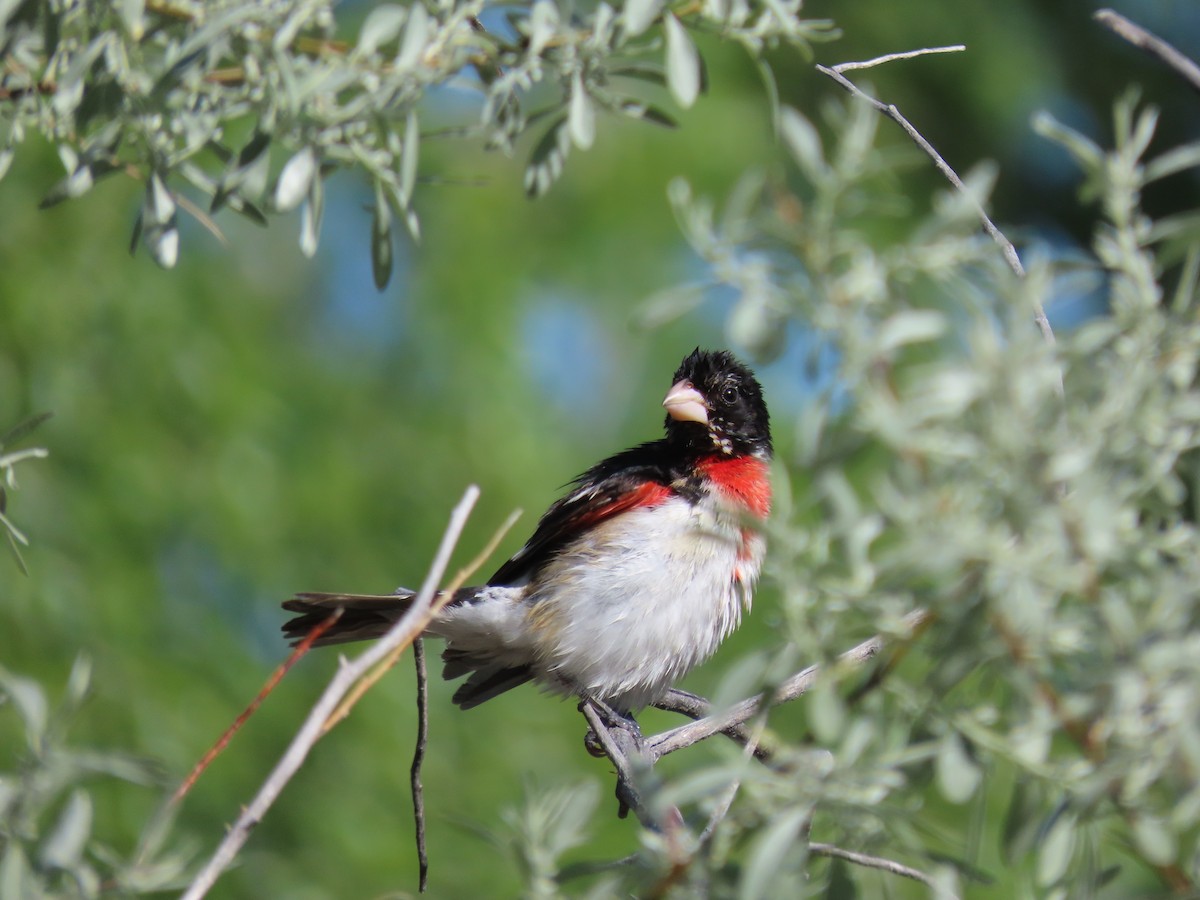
(715, 403)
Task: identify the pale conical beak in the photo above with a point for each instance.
(686, 404)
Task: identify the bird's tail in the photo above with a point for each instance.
(364, 616)
(368, 616)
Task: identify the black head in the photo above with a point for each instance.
(715, 403)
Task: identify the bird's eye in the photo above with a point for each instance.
(730, 393)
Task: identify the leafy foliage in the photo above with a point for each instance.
(47, 843)
(205, 94)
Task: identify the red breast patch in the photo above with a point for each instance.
(743, 480)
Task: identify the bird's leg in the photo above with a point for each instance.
(618, 737)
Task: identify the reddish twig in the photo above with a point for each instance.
(282, 669)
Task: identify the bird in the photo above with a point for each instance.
(629, 580)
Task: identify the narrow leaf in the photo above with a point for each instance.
(295, 180)
(381, 26)
(683, 63)
(771, 849)
(409, 153)
(381, 240)
(957, 774)
(416, 36)
(639, 15)
(311, 214)
(582, 116)
(64, 847)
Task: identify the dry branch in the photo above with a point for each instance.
(1182, 65)
(403, 633)
(892, 112)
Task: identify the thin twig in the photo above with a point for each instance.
(282, 669)
(800, 683)
(406, 629)
(414, 774)
(878, 862)
(892, 57)
(443, 597)
(892, 112)
(1183, 66)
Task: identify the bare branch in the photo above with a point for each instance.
(404, 632)
(877, 862)
(892, 57)
(799, 684)
(1135, 34)
(892, 112)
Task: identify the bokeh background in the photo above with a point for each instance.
(254, 423)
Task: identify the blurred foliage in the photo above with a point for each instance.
(253, 423)
(47, 844)
(163, 90)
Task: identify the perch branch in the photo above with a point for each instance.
(404, 632)
(1135, 34)
(797, 685)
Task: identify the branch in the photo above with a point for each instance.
(892, 57)
(733, 717)
(877, 862)
(892, 112)
(1152, 44)
(406, 629)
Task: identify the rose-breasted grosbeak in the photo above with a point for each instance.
(630, 580)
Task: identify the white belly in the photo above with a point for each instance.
(625, 634)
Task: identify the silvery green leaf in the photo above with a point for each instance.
(1055, 850)
(79, 681)
(163, 242)
(69, 89)
(683, 63)
(409, 154)
(381, 239)
(1177, 159)
(64, 846)
(78, 183)
(159, 206)
(826, 711)
(6, 158)
(295, 180)
(636, 109)
(547, 160)
(669, 304)
(1154, 839)
(311, 214)
(910, 326)
(16, 876)
(382, 25)
(413, 224)
(639, 15)
(133, 13)
(774, 843)
(543, 25)
(804, 143)
(30, 702)
(581, 117)
(757, 326)
(957, 774)
(1086, 152)
(416, 36)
